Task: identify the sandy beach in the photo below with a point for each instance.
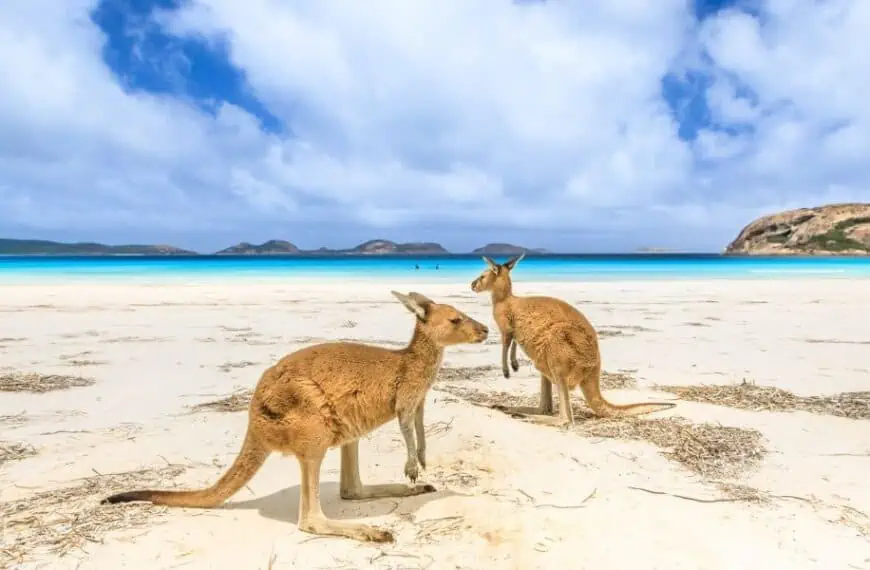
(748, 476)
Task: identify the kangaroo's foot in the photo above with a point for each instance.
(386, 490)
(323, 526)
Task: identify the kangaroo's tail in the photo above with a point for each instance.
(605, 409)
(251, 457)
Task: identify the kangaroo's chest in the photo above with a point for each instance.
(432, 374)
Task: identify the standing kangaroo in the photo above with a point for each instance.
(330, 395)
(559, 340)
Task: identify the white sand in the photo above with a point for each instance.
(159, 349)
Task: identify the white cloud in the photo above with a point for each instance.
(396, 114)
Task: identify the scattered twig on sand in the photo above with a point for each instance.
(688, 498)
(750, 396)
(13, 420)
(734, 493)
(86, 362)
(711, 450)
(579, 505)
(126, 339)
(429, 529)
(463, 373)
(40, 383)
(238, 401)
(439, 427)
(14, 451)
(621, 330)
(227, 366)
(57, 521)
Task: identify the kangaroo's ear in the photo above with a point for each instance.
(513, 262)
(412, 304)
(421, 299)
(492, 264)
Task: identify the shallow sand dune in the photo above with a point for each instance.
(512, 494)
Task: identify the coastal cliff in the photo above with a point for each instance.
(835, 229)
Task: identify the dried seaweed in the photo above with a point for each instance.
(238, 401)
(40, 383)
(53, 523)
(710, 450)
(750, 396)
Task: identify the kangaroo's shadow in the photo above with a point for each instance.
(284, 505)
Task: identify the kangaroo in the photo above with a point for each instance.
(331, 394)
(560, 341)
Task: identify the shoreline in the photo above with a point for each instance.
(404, 278)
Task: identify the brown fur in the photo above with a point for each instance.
(329, 395)
(561, 343)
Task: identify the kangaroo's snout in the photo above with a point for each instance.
(482, 332)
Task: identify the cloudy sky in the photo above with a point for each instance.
(594, 125)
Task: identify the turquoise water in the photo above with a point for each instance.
(552, 267)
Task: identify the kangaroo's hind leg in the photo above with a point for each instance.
(351, 487)
(311, 517)
(566, 414)
(546, 407)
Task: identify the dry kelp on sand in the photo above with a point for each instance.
(710, 450)
(40, 383)
(750, 396)
(13, 451)
(238, 401)
(57, 521)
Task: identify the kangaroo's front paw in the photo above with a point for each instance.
(412, 470)
(515, 365)
(421, 457)
(505, 371)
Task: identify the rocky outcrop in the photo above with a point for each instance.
(506, 249)
(45, 247)
(835, 229)
(271, 247)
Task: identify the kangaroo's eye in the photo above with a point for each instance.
(456, 321)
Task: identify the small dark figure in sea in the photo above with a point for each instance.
(436, 267)
(416, 267)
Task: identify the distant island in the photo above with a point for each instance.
(371, 247)
(835, 229)
(45, 247)
(507, 249)
(271, 247)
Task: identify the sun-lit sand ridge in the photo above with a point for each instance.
(733, 477)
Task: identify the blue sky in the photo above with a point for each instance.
(604, 125)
